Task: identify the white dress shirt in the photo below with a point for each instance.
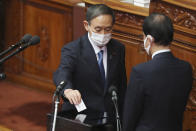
(160, 51)
(97, 50)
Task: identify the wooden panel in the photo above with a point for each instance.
(184, 20)
(54, 33)
(12, 32)
(78, 17)
(53, 23)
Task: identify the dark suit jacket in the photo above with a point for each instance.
(79, 67)
(157, 94)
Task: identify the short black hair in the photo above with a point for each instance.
(97, 10)
(160, 27)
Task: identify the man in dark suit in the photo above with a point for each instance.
(93, 63)
(158, 90)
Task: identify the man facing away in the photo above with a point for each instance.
(158, 90)
(93, 63)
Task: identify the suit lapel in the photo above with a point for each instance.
(89, 57)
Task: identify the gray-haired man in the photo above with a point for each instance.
(93, 63)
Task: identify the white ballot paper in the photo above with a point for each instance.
(81, 117)
(80, 107)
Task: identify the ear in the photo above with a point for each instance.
(85, 25)
(151, 38)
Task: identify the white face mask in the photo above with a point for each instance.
(100, 39)
(148, 47)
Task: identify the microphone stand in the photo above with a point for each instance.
(57, 101)
(9, 49)
(2, 75)
(118, 124)
(13, 53)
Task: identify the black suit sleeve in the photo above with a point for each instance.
(134, 99)
(66, 67)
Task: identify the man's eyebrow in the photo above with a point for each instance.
(103, 27)
(98, 27)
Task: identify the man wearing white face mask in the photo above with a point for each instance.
(158, 90)
(93, 63)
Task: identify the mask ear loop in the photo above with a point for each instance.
(150, 44)
(150, 37)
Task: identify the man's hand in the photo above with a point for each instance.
(73, 96)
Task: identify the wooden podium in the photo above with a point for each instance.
(69, 121)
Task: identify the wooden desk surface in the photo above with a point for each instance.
(67, 2)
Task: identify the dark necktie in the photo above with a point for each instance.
(100, 63)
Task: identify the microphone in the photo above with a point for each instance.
(33, 41)
(57, 101)
(112, 90)
(24, 40)
(60, 87)
(2, 76)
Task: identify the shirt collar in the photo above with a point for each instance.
(160, 51)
